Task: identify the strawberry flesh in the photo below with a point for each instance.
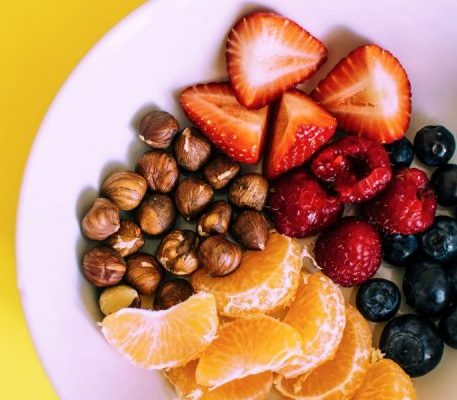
(300, 128)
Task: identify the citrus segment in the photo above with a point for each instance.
(247, 346)
(264, 281)
(163, 339)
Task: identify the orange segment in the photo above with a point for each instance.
(252, 387)
(318, 313)
(264, 281)
(163, 339)
(386, 380)
(247, 346)
(340, 377)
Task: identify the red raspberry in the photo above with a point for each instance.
(407, 206)
(349, 254)
(357, 168)
(301, 207)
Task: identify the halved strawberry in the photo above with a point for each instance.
(369, 93)
(300, 128)
(268, 54)
(238, 132)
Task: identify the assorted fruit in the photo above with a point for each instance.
(227, 308)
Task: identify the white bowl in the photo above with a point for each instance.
(90, 130)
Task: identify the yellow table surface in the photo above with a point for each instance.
(41, 41)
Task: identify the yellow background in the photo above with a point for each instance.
(41, 41)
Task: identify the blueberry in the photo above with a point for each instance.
(451, 269)
(401, 153)
(444, 182)
(427, 288)
(378, 299)
(399, 250)
(440, 241)
(448, 326)
(412, 342)
(434, 145)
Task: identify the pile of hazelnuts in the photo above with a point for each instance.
(178, 178)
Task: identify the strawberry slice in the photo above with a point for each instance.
(268, 54)
(369, 93)
(301, 127)
(238, 132)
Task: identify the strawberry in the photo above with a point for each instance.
(268, 54)
(369, 93)
(238, 132)
(300, 128)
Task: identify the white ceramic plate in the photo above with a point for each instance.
(90, 130)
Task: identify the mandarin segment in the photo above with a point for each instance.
(265, 280)
(163, 339)
(247, 346)
(341, 376)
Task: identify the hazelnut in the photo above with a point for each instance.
(249, 191)
(178, 252)
(159, 169)
(192, 196)
(127, 240)
(126, 189)
(220, 171)
(147, 302)
(101, 221)
(143, 273)
(157, 129)
(103, 266)
(215, 220)
(118, 297)
(156, 214)
(172, 292)
(250, 229)
(191, 149)
(219, 255)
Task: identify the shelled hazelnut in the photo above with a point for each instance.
(156, 214)
(127, 240)
(219, 256)
(249, 191)
(143, 273)
(118, 297)
(103, 266)
(160, 170)
(215, 220)
(172, 292)
(101, 220)
(250, 229)
(191, 149)
(192, 196)
(220, 171)
(126, 189)
(178, 252)
(157, 129)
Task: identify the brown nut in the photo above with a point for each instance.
(192, 196)
(250, 229)
(219, 256)
(215, 220)
(172, 292)
(220, 171)
(143, 273)
(101, 221)
(118, 297)
(103, 266)
(191, 149)
(126, 189)
(178, 252)
(127, 240)
(159, 169)
(157, 129)
(249, 191)
(156, 214)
